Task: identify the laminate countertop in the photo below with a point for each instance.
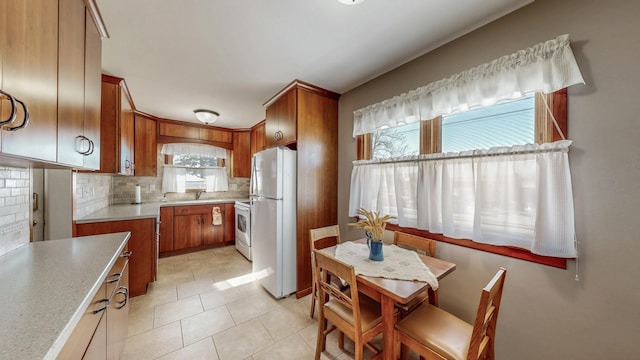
(144, 210)
(46, 288)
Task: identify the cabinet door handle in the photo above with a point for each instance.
(25, 120)
(92, 147)
(122, 290)
(115, 277)
(126, 254)
(79, 140)
(103, 308)
(14, 111)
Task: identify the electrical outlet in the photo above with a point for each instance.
(152, 187)
(233, 187)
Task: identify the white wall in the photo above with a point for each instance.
(546, 314)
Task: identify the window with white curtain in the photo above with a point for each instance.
(509, 122)
(194, 167)
(487, 179)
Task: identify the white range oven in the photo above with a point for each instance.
(243, 228)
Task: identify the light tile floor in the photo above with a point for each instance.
(206, 305)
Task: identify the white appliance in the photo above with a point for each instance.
(243, 228)
(273, 220)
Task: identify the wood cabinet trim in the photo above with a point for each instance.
(98, 21)
(302, 86)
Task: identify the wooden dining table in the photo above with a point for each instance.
(388, 292)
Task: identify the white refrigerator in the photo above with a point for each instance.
(273, 219)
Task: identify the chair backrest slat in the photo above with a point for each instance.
(483, 336)
(324, 237)
(327, 266)
(418, 243)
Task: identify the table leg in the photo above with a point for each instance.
(433, 297)
(388, 321)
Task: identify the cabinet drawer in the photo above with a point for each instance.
(115, 274)
(75, 347)
(196, 209)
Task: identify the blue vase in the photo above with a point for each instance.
(375, 249)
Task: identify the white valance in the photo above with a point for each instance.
(514, 196)
(194, 149)
(545, 67)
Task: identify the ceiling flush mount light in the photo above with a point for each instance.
(350, 2)
(206, 116)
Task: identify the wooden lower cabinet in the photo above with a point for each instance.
(190, 228)
(142, 244)
(166, 229)
(187, 231)
(118, 312)
(102, 330)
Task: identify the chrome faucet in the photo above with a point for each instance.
(199, 193)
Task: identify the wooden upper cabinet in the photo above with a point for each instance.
(79, 67)
(215, 135)
(116, 127)
(71, 92)
(30, 56)
(179, 131)
(92, 91)
(258, 137)
(280, 125)
(241, 155)
(109, 124)
(146, 146)
(127, 129)
(171, 132)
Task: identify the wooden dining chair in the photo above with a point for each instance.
(436, 334)
(352, 314)
(423, 246)
(321, 238)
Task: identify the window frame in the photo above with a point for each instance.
(431, 142)
(168, 160)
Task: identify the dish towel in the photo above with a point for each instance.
(398, 263)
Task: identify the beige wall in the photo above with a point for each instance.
(546, 314)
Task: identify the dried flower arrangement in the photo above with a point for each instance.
(373, 224)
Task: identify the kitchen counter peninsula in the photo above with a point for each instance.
(47, 286)
(144, 210)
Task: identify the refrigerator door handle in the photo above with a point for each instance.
(252, 185)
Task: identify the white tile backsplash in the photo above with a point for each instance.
(14, 208)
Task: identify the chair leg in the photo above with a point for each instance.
(313, 305)
(404, 352)
(321, 342)
(358, 351)
(340, 340)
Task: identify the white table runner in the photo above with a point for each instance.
(398, 263)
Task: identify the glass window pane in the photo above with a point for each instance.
(195, 169)
(395, 142)
(507, 123)
(195, 179)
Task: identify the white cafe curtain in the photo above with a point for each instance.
(545, 67)
(174, 179)
(217, 179)
(517, 196)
